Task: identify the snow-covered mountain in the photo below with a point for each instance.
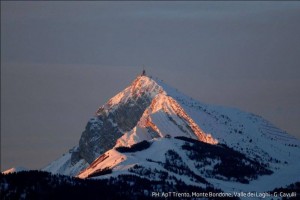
(154, 131)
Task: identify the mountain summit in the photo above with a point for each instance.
(152, 130)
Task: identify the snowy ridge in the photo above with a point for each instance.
(14, 169)
(63, 165)
(164, 117)
(245, 132)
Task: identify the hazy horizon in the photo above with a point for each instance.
(60, 61)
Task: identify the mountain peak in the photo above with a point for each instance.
(120, 120)
(141, 86)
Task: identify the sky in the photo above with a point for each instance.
(60, 61)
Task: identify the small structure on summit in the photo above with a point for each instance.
(144, 72)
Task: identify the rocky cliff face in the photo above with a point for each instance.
(102, 131)
(120, 114)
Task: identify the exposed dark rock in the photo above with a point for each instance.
(75, 157)
(102, 131)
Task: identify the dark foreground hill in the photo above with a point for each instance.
(44, 185)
